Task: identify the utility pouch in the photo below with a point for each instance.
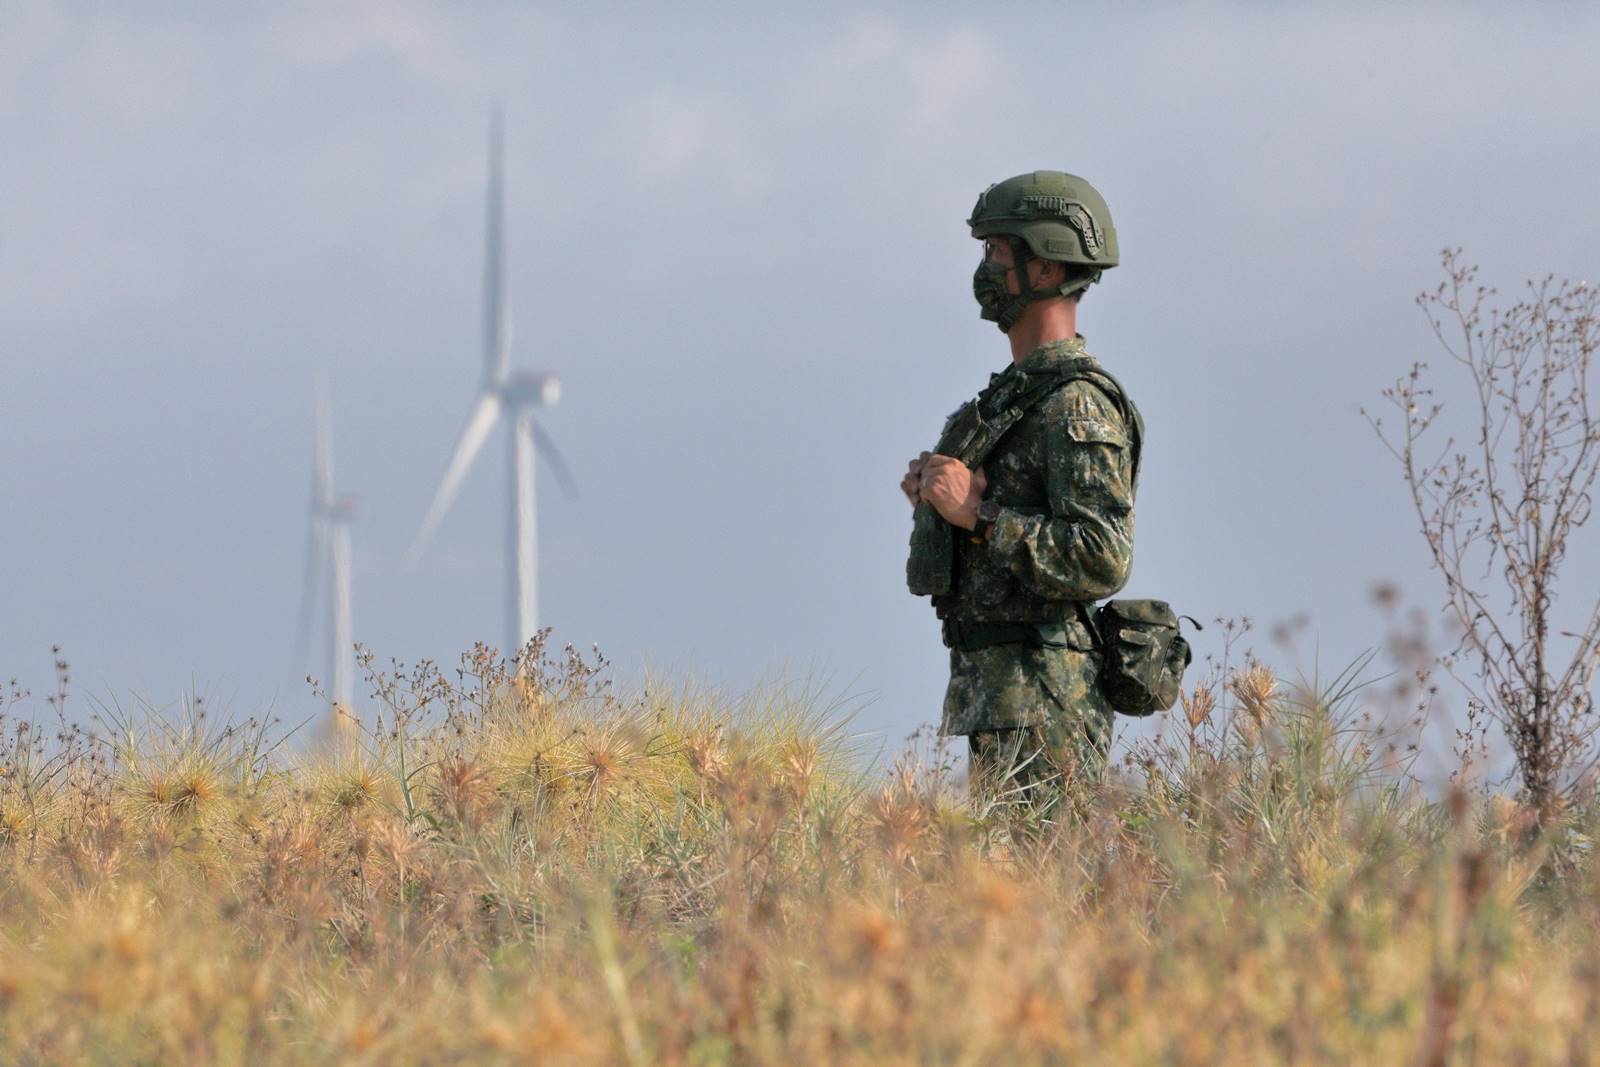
(1143, 655)
(932, 551)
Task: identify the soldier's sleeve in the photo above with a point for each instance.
(1083, 549)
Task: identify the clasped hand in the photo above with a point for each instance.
(945, 482)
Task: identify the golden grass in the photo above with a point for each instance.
(531, 869)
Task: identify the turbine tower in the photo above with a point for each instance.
(514, 395)
(328, 559)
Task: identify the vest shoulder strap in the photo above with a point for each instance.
(1041, 384)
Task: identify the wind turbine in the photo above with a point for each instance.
(514, 395)
(328, 558)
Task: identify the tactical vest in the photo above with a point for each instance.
(975, 430)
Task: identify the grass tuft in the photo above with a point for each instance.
(517, 864)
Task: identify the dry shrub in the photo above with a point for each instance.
(519, 865)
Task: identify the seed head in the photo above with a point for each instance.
(461, 788)
(707, 756)
(1198, 705)
(797, 764)
(1256, 689)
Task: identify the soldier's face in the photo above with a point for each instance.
(997, 250)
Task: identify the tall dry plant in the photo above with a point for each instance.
(1499, 502)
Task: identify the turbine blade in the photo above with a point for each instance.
(552, 456)
(482, 420)
(496, 312)
(322, 446)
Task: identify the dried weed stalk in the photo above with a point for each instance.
(1499, 501)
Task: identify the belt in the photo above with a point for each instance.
(971, 636)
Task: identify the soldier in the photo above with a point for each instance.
(1024, 509)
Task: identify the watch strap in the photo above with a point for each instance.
(988, 512)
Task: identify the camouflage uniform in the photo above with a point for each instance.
(1063, 538)
(1061, 455)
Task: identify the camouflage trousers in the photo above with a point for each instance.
(1032, 716)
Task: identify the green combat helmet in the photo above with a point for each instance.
(1049, 214)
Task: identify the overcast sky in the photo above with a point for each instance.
(735, 233)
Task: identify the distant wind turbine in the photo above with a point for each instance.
(514, 395)
(328, 559)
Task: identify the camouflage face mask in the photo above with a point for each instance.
(995, 303)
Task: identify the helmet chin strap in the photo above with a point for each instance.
(1021, 255)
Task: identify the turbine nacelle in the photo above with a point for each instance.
(343, 509)
(531, 389)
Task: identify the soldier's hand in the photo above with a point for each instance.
(954, 491)
(911, 484)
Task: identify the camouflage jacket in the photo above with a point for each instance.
(1064, 480)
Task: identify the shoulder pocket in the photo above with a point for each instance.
(1085, 430)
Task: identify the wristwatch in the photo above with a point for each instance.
(988, 512)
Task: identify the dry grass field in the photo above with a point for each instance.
(538, 870)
